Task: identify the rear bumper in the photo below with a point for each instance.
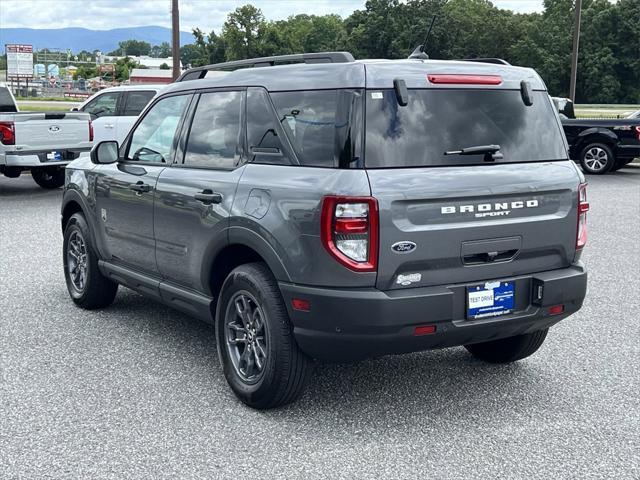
(352, 324)
(39, 159)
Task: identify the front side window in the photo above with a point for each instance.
(322, 125)
(136, 101)
(103, 105)
(437, 122)
(214, 137)
(153, 138)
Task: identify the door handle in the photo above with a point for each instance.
(140, 187)
(109, 125)
(208, 197)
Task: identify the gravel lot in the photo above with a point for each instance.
(135, 391)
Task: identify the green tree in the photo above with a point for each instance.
(135, 48)
(189, 54)
(161, 51)
(242, 32)
(124, 66)
(210, 49)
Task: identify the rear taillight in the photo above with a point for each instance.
(583, 208)
(349, 231)
(90, 131)
(637, 132)
(7, 133)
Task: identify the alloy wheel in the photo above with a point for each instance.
(246, 336)
(596, 159)
(77, 261)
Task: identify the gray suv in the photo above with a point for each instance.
(317, 207)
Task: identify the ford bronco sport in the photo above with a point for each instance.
(317, 207)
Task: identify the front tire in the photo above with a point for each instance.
(49, 178)
(260, 358)
(87, 287)
(597, 159)
(509, 349)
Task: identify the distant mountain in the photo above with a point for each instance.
(78, 39)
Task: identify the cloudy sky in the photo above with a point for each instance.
(205, 14)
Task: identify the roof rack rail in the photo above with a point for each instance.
(320, 57)
(498, 61)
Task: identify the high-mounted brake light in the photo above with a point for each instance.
(7, 133)
(464, 79)
(349, 231)
(583, 208)
(90, 131)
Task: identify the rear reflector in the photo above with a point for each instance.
(301, 305)
(465, 79)
(556, 310)
(90, 131)
(424, 330)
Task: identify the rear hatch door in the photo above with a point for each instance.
(458, 218)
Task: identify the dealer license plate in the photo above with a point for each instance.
(490, 299)
(54, 156)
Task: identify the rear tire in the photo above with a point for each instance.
(87, 287)
(48, 177)
(509, 349)
(597, 159)
(259, 355)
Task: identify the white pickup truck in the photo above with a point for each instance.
(40, 142)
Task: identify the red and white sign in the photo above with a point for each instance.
(19, 61)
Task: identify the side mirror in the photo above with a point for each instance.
(105, 152)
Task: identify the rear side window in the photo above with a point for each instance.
(215, 131)
(438, 121)
(322, 125)
(263, 138)
(136, 101)
(6, 101)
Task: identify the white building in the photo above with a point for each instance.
(143, 60)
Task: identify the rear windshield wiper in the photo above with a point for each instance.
(491, 152)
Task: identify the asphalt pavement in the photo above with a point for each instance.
(136, 390)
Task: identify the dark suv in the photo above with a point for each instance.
(316, 207)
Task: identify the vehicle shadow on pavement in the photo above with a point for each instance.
(432, 384)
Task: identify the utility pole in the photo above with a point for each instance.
(175, 38)
(574, 56)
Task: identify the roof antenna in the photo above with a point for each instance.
(419, 52)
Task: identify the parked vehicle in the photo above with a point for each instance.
(321, 207)
(114, 110)
(600, 146)
(40, 142)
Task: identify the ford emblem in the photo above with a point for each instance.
(403, 247)
(54, 128)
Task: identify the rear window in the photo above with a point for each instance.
(438, 121)
(322, 125)
(6, 101)
(136, 101)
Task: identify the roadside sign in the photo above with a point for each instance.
(19, 61)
